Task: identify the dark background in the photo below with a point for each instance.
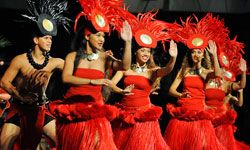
(236, 14)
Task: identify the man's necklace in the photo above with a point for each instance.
(36, 65)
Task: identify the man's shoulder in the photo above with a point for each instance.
(56, 59)
(20, 57)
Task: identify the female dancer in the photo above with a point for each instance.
(137, 126)
(216, 90)
(191, 120)
(190, 124)
(82, 118)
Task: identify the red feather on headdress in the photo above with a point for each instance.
(145, 28)
(230, 54)
(102, 13)
(208, 28)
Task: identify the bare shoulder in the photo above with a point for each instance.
(19, 59)
(57, 63)
(71, 55)
(57, 60)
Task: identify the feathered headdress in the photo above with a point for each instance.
(101, 13)
(229, 55)
(47, 14)
(146, 30)
(196, 33)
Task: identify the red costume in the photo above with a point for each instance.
(83, 118)
(32, 120)
(224, 119)
(137, 126)
(191, 127)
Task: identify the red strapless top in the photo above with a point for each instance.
(215, 97)
(194, 85)
(192, 108)
(141, 91)
(86, 93)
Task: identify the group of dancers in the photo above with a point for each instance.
(201, 118)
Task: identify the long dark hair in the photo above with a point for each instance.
(79, 42)
(187, 62)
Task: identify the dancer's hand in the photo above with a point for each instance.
(128, 89)
(126, 33)
(243, 65)
(154, 89)
(230, 98)
(185, 95)
(234, 99)
(212, 47)
(36, 78)
(173, 49)
(109, 53)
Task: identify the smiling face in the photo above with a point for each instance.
(143, 55)
(197, 55)
(44, 42)
(96, 40)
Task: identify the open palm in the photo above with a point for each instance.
(128, 89)
(212, 47)
(243, 65)
(126, 33)
(173, 49)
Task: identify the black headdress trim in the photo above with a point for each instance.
(48, 14)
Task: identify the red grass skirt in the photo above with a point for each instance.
(191, 135)
(84, 126)
(92, 134)
(225, 133)
(191, 130)
(225, 129)
(139, 129)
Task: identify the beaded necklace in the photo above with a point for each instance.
(90, 57)
(139, 69)
(36, 65)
